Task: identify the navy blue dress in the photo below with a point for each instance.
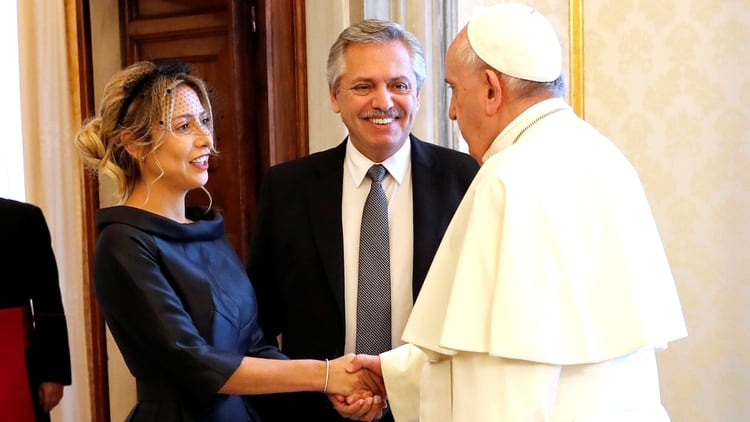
(182, 311)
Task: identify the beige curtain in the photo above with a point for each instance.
(50, 114)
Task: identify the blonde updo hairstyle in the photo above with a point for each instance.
(136, 100)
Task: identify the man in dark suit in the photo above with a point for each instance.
(304, 257)
(31, 308)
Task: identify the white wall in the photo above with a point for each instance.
(11, 172)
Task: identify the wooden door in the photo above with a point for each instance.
(201, 34)
(252, 55)
(222, 40)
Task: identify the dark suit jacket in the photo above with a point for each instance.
(296, 260)
(31, 276)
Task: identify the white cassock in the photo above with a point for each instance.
(549, 293)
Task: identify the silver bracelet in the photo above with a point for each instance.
(328, 369)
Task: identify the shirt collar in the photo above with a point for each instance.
(508, 135)
(397, 164)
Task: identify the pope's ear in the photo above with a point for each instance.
(494, 91)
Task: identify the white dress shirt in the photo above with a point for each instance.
(398, 190)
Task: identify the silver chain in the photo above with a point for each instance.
(535, 121)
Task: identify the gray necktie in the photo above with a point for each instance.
(374, 287)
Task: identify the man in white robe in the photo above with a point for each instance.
(551, 291)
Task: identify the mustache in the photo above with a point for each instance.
(392, 113)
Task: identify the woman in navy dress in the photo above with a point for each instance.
(172, 290)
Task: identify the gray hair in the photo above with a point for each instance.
(374, 31)
(519, 87)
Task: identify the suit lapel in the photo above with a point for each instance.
(324, 199)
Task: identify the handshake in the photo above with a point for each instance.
(354, 384)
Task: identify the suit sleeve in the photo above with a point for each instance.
(260, 265)
(50, 354)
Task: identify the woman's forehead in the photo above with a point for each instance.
(187, 101)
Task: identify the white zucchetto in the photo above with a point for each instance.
(518, 41)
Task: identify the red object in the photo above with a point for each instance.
(15, 396)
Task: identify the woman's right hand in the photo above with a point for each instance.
(362, 382)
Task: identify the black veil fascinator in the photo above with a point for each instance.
(134, 87)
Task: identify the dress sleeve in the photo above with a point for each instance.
(148, 319)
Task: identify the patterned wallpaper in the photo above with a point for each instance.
(668, 82)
